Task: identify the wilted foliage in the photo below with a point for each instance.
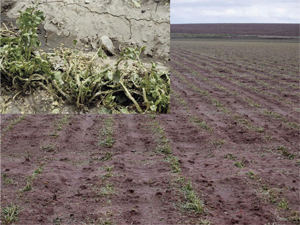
(127, 87)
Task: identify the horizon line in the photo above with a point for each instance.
(231, 23)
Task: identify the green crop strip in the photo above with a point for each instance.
(200, 123)
(282, 118)
(107, 133)
(10, 126)
(127, 87)
(58, 126)
(192, 201)
(193, 119)
(272, 195)
(30, 179)
(13, 123)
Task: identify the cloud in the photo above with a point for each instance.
(234, 11)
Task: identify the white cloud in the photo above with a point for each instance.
(234, 11)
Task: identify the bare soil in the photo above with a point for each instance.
(244, 169)
(239, 29)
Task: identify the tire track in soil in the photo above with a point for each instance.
(289, 134)
(145, 198)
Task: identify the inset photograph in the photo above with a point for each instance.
(85, 56)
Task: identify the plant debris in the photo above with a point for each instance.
(68, 75)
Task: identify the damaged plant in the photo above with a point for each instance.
(127, 87)
(20, 67)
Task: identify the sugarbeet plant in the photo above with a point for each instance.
(127, 87)
(20, 68)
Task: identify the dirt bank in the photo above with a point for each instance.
(125, 22)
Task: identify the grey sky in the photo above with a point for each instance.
(235, 11)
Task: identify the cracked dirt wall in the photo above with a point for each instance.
(126, 22)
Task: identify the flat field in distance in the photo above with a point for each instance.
(237, 29)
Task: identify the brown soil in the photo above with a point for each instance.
(71, 187)
(240, 29)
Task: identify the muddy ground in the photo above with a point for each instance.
(113, 169)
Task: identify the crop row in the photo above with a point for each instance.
(250, 101)
(236, 67)
(270, 57)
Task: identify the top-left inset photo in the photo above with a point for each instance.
(85, 57)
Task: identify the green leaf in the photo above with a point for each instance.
(75, 42)
(104, 110)
(153, 107)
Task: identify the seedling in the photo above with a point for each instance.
(10, 214)
(108, 142)
(294, 217)
(174, 163)
(57, 221)
(218, 142)
(240, 164)
(164, 149)
(285, 152)
(54, 134)
(193, 201)
(30, 179)
(251, 175)
(108, 168)
(13, 123)
(107, 132)
(106, 190)
(107, 156)
(283, 204)
(6, 180)
(109, 171)
(202, 124)
(230, 156)
(48, 148)
(28, 186)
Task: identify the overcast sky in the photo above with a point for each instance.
(235, 11)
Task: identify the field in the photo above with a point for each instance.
(238, 29)
(228, 153)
